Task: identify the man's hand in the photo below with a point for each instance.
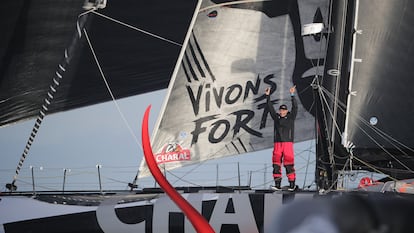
(267, 91)
(292, 90)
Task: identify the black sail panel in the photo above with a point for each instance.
(381, 106)
(375, 103)
(38, 32)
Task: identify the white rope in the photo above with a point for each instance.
(388, 138)
(374, 168)
(322, 90)
(341, 104)
(329, 109)
(110, 91)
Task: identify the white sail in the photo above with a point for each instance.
(216, 105)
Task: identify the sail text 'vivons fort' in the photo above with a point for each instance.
(213, 97)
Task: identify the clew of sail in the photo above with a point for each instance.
(216, 105)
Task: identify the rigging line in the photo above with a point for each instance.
(374, 168)
(305, 89)
(342, 108)
(115, 180)
(329, 109)
(183, 180)
(68, 53)
(185, 174)
(321, 97)
(367, 124)
(337, 179)
(307, 165)
(37, 185)
(388, 138)
(366, 164)
(385, 150)
(137, 29)
(381, 133)
(297, 170)
(188, 172)
(382, 147)
(270, 181)
(110, 91)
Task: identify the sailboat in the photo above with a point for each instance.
(349, 87)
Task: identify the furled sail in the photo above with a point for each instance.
(216, 105)
(35, 35)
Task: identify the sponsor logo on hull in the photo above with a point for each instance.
(226, 212)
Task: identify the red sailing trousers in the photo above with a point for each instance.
(283, 153)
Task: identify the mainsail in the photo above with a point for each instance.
(380, 105)
(35, 35)
(366, 88)
(216, 104)
(49, 61)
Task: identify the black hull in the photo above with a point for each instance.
(235, 211)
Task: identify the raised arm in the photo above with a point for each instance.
(272, 111)
(294, 110)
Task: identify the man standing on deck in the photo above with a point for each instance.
(284, 127)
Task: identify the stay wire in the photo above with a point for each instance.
(372, 139)
(381, 133)
(340, 104)
(110, 91)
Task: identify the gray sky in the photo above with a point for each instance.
(80, 139)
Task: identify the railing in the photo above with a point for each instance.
(106, 177)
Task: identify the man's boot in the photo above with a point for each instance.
(278, 181)
(292, 185)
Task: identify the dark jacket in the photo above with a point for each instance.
(284, 127)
